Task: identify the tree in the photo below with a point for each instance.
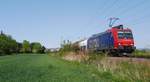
(7, 44)
(19, 48)
(36, 47)
(26, 47)
(42, 49)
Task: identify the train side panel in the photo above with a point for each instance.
(103, 41)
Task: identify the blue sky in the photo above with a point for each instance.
(50, 21)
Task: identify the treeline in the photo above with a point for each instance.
(8, 45)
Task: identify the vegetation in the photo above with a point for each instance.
(126, 71)
(67, 46)
(119, 68)
(8, 45)
(36, 47)
(26, 47)
(92, 57)
(142, 53)
(45, 68)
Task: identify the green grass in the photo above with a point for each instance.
(49, 68)
(141, 53)
(45, 68)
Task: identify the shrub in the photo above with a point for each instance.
(141, 53)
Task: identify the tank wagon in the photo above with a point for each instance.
(83, 44)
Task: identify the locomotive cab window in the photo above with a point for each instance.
(127, 35)
(120, 35)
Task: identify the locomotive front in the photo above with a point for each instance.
(124, 40)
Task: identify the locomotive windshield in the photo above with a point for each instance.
(127, 35)
(120, 35)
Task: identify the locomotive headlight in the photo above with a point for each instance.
(119, 44)
(131, 44)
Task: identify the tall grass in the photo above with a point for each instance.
(125, 70)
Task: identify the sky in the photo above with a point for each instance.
(51, 21)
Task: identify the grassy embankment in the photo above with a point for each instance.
(124, 69)
(127, 69)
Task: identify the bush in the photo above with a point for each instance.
(141, 53)
(68, 47)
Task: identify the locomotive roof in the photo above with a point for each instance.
(119, 27)
(95, 35)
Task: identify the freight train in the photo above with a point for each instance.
(116, 40)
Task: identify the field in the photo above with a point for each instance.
(44, 68)
(47, 68)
